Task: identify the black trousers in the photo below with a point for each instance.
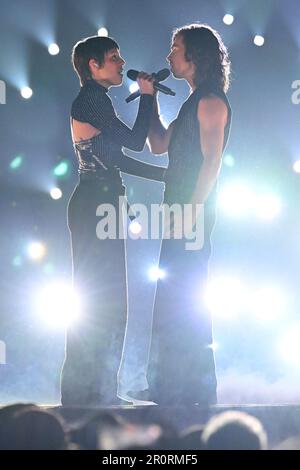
(94, 343)
(181, 364)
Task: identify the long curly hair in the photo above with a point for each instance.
(205, 48)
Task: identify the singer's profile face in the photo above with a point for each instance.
(180, 67)
(111, 71)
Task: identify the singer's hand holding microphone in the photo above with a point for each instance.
(149, 83)
(145, 83)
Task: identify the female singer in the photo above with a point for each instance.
(94, 344)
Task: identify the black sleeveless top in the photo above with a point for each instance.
(185, 154)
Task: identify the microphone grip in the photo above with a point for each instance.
(163, 89)
(158, 86)
(133, 97)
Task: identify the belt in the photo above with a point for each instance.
(104, 175)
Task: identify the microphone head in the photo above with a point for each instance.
(132, 74)
(159, 76)
(162, 75)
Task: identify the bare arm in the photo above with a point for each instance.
(158, 136)
(212, 117)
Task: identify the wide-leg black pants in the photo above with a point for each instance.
(181, 364)
(94, 343)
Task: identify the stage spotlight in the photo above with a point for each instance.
(214, 346)
(102, 32)
(135, 228)
(16, 162)
(267, 303)
(133, 87)
(289, 346)
(225, 296)
(228, 19)
(61, 169)
(236, 199)
(36, 251)
(26, 92)
(56, 193)
(156, 273)
(259, 40)
(268, 206)
(229, 161)
(58, 305)
(53, 49)
(296, 166)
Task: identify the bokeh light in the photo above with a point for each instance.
(56, 193)
(133, 87)
(135, 227)
(53, 49)
(156, 273)
(228, 19)
(57, 305)
(259, 40)
(225, 296)
(61, 169)
(26, 92)
(36, 251)
(102, 32)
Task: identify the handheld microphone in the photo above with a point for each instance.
(159, 77)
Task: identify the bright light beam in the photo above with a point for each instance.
(289, 345)
(156, 273)
(36, 251)
(57, 305)
(236, 200)
(267, 206)
(225, 296)
(267, 303)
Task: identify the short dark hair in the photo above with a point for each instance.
(93, 47)
(205, 48)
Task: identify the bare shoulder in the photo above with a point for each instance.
(212, 109)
